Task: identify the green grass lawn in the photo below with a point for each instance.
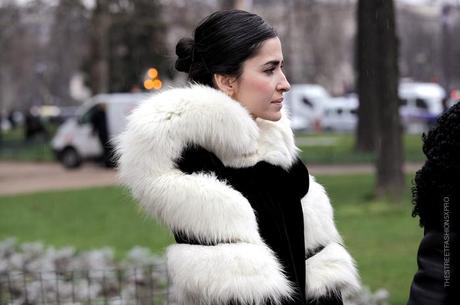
(382, 237)
(85, 219)
(324, 148)
(339, 148)
(14, 147)
(26, 151)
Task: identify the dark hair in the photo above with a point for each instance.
(437, 183)
(222, 42)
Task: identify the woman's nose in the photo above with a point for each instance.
(284, 84)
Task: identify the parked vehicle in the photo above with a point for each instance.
(421, 104)
(76, 140)
(305, 103)
(340, 114)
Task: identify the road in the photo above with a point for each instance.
(27, 177)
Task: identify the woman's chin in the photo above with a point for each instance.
(271, 116)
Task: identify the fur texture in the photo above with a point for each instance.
(330, 271)
(319, 219)
(207, 209)
(247, 273)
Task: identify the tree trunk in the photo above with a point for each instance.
(100, 25)
(365, 63)
(446, 47)
(389, 163)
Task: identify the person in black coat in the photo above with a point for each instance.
(217, 163)
(436, 196)
(99, 122)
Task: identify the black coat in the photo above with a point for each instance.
(436, 281)
(251, 225)
(436, 197)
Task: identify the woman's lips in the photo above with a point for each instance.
(278, 101)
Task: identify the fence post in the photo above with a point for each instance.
(58, 297)
(72, 279)
(136, 294)
(104, 288)
(42, 290)
(10, 288)
(26, 296)
(150, 271)
(89, 286)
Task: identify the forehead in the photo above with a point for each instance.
(269, 51)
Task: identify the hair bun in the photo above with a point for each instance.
(184, 50)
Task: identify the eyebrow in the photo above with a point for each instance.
(273, 62)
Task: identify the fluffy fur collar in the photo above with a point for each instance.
(208, 117)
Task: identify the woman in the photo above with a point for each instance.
(217, 163)
(436, 195)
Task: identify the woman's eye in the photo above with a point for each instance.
(270, 71)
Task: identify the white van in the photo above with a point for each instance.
(420, 105)
(340, 114)
(305, 104)
(75, 140)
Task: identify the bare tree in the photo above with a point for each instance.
(99, 66)
(366, 65)
(180, 19)
(379, 126)
(390, 176)
(8, 14)
(23, 61)
(316, 40)
(67, 45)
(127, 40)
(420, 45)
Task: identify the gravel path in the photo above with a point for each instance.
(26, 177)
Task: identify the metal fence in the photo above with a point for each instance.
(146, 285)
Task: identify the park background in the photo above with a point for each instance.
(60, 52)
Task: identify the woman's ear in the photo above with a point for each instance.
(225, 83)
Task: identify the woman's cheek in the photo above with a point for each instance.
(263, 84)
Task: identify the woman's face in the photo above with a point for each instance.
(261, 86)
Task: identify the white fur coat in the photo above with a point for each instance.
(212, 211)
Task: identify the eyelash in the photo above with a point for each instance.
(270, 71)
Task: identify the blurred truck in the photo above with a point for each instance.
(305, 104)
(420, 105)
(76, 140)
(340, 114)
(311, 108)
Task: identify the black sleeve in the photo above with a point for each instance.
(196, 159)
(433, 284)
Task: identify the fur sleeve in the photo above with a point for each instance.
(331, 270)
(196, 204)
(193, 200)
